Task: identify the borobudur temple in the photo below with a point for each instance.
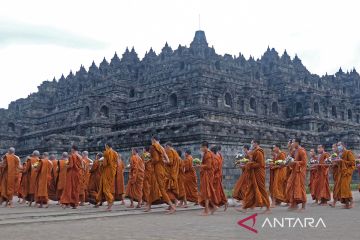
(185, 96)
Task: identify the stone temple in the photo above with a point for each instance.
(186, 95)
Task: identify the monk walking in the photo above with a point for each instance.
(189, 178)
(322, 188)
(182, 194)
(313, 175)
(241, 184)
(10, 166)
(207, 196)
(218, 186)
(159, 159)
(151, 192)
(70, 194)
(31, 175)
(134, 188)
(256, 194)
(172, 172)
(61, 170)
(42, 182)
(95, 175)
(346, 165)
(295, 189)
(119, 180)
(278, 186)
(85, 175)
(108, 171)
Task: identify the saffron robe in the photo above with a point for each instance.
(322, 187)
(218, 186)
(43, 180)
(295, 189)
(312, 181)
(119, 181)
(70, 194)
(172, 174)
(242, 183)
(346, 167)
(207, 191)
(277, 187)
(94, 181)
(190, 180)
(156, 153)
(134, 188)
(10, 165)
(31, 174)
(108, 171)
(256, 194)
(151, 192)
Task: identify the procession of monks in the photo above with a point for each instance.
(160, 174)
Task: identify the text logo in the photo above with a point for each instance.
(242, 221)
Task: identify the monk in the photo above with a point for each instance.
(134, 188)
(10, 165)
(43, 181)
(295, 189)
(190, 178)
(241, 184)
(53, 178)
(256, 194)
(322, 187)
(22, 184)
(119, 180)
(218, 186)
(84, 179)
(159, 158)
(207, 196)
(335, 173)
(108, 171)
(182, 194)
(277, 188)
(151, 192)
(70, 194)
(346, 165)
(61, 171)
(31, 174)
(172, 172)
(313, 175)
(95, 175)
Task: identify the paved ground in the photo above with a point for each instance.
(88, 223)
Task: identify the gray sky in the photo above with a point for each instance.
(40, 39)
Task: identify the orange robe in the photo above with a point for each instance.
(94, 181)
(157, 156)
(295, 189)
(207, 191)
(151, 192)
(42, 181)
(60, 177)
(277, 187)
(84, 179)
(31, 174)
(242, 183)
(190, 180)
(322, 188)
(119, 181)
(134, 188)
(256, 194)
(23, 183)
(312, 181)
(218, 186)
(172, 174)
(9, 180)
(70, 194)
(346, 167)
(108, 171)
(181, 179)
(52, 185)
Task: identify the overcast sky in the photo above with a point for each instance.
(40, 40)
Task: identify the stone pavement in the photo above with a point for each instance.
(22, 223)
